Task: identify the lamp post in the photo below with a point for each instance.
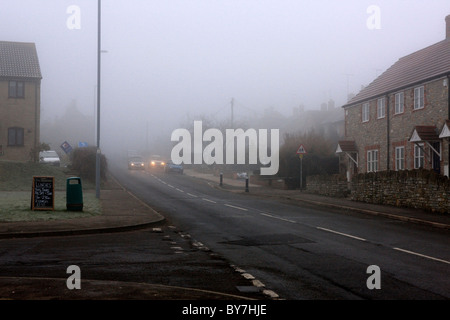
(98, 153)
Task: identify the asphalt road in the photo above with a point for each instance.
(302, 252)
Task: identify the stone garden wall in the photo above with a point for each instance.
(422, 189)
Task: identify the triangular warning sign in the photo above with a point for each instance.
(301, 150)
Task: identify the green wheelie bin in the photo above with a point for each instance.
(74, 194)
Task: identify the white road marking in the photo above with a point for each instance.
(208, 200)
(179, 190)
(231, 206)
(422, 255)
(192, 195)
(342, 234)
(276, 217)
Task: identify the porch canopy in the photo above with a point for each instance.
(445, 132)
(348, 147)
(425, 134)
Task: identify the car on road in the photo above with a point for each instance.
(172, 167)
(136, 163)
(49, 157)
(156, 162)
(242, 175)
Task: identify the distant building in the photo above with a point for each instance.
(401, 120)
(20, 94)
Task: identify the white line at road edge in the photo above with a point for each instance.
(231, 206)
(208, 200)
(342, 234)
(192, 195)
(422, 255)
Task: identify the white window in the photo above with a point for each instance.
(365, 112)
(418, 98)
(400, 158)
(399, 103)
(381, 108)
(372, 161)
(418, 156)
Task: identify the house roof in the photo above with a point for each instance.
(426, 64)
(424, 133)
(19, 60)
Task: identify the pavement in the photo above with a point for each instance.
(122, 211)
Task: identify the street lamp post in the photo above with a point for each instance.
(98, 153)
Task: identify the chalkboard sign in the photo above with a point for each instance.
(43, 195)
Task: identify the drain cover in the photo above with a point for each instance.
(269, 239)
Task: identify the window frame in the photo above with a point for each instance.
(381, 108)
(400, 160)
(16, 137)
(365, 112)
(16, 89)
(419, 98)
(372, 160)
(419, 155)
(399, 105)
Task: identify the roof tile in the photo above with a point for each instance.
(427, 63)
(19, 60)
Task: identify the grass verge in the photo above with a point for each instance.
(16, 187)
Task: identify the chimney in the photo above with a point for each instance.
(447, 27)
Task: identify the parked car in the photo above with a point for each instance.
(136, 163)
(49, 157)
(172, 167)
(156, 162)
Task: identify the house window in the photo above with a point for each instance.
(365, 112)
(16, 89)
(400, 158)
(381, 108)
(418, 98)
(15, 136)
(372, 161)
(399, 103)
(419, 158)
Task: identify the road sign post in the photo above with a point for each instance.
(301, 151)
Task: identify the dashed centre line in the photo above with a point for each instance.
(235, 207)
(320, 228)
(421, 255)
(276, 217)
(208, 200)
(342, 234)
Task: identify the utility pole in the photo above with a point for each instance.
(99, 49)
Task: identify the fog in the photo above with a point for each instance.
(168, 62)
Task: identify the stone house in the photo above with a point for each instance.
(20, 94)
(400, 121)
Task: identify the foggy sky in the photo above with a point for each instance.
(167, 59)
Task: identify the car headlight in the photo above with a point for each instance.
(162, 163)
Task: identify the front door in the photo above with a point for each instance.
(436, 160)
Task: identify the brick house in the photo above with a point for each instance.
(400, 121)
(20, 91)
